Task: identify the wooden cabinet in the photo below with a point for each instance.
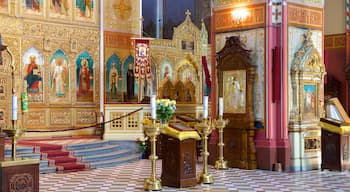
(335, 151)
(20, 175)
(236, 76)
(179, 162)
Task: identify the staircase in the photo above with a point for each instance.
(75, 157)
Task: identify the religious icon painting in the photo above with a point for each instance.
(114, 85)
(310, 96)
(3, 6)
(60, 9)
(129, 83)
(85, 78)
(33, 75)
(32, 7)
(59, 77)
(166, 70)
(234, 91)
(85, 10)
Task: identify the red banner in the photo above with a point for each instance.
(142, 59)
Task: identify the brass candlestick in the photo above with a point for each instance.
(204, 129)
(152, 130)
(14, 133)
(220, 125)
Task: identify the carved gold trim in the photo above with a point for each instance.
(18, 162)
(335, 129)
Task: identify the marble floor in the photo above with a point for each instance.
(130, 177)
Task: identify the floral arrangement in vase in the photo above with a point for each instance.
(165, 109)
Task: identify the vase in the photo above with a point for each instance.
(163, 121)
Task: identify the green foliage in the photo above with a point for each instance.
(165, 109)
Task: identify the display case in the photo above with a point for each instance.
(335, 137)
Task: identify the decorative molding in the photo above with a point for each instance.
(86, 117)
(334, 41)
(304, 16)
(60, 117)
(35, 118)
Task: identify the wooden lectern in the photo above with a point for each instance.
(19, 175)
(179, 156)
(335, 137)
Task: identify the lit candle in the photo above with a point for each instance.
(14, 107)
(221, 106)
(153, 107)
(205, 107)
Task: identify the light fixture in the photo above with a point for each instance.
(239, 15)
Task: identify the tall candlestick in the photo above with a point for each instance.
(14, 107)
(205, 107)
(153, 107)
(221, 106)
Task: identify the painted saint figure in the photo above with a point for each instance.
(130, 79)
(59, 77)
(84, 77)
(33, 75)
(85, 7)
(237, 94)
(61, 6)
(113, 79)
(33, 4)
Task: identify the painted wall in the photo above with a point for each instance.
(334, 20)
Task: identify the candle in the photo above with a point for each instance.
(14, 107)
(0, 40)
(221, 106)
(205, 107)
(153, 107)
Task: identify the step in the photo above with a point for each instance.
(44, 163)
(95, 151)
(26, 155)
(49, 154)
(47, 169)
(59, 160)
(125, 144)
(81, 146)
(70, 166)
(115, 162)
(19, 150)
(106, 156)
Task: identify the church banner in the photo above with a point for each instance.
(142, 59)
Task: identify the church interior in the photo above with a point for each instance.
(197, 95)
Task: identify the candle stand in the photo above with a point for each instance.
(220, 125)
(152, 129)
(14, 131)
(204, 129)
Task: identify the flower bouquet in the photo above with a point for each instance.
(165, 109)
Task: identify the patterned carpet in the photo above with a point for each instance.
(130, 177)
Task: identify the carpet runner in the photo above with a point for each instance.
(57, 155)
